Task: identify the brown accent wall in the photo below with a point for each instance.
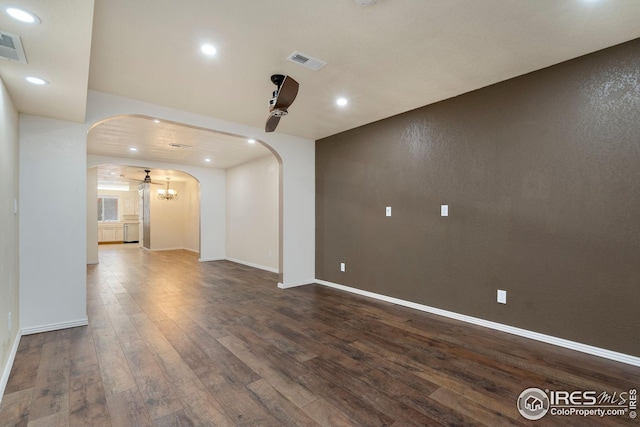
(542, 177)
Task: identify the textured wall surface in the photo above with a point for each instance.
(542, 177)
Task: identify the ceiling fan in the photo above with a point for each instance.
(147, 178)
(282, 99)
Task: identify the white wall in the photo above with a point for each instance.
(92, 214)
(191, 217)
(167, 219)
(9, 266)
(53, 224)
(253, 207)
(297, 155)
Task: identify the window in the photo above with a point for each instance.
(107, 208)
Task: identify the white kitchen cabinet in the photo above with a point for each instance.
(130, 207)
(110, 233)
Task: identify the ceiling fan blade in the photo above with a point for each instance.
(272, 123)
(287, 93)
(142, 181)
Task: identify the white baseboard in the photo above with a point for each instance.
(7, 368)
(166, 249)
(250, 264)
(54, 326)
(211, 259)
(560, 342)
(296, 284)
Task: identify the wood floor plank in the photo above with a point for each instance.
(244, 411)
(157, 394)
(59, 419)
(177, 419)
(471, 409)
(286, 412)
(201, 406)
(326, 414)
(220, 360)
(173, 341)
(127, 409)
(370, 396)
(151, 335)
(453, 379)
(51, 392)
(293, 391)
(87, 400)
(334, 392)
(82, 352)
(115, 371)
(15, 407)
(25, 369)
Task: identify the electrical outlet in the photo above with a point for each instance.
(388, 211)
(502, 296)
(343, 267)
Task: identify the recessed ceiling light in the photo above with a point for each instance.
(251, 141)
(342, 101)
(22, 15)
(207, 159)
(208, 49)
(156, 121)
(36, 80)
(133, 149)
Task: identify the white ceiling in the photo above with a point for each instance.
(152, 141)
(386, 59)
(134, 175)
(57, 50)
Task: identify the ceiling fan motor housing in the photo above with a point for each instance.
(277, 79)
(279, 113)
(283, 97)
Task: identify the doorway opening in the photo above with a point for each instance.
(239, 180)
(133, 208)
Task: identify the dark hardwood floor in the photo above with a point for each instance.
(175, 342)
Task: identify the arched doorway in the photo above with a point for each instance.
(222, 164)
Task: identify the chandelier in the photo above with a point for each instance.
(168, 193)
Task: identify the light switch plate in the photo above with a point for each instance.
(444, 210)
(388, 211)
(502, 296)
(343, 267)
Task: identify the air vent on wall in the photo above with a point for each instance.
(306, 61)
(11, 47)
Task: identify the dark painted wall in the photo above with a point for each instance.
(542, 177)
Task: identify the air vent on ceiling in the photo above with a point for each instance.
(306, 61)
(11, 47)
(176, 145)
